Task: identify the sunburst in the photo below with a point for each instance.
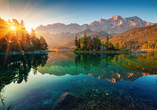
(12, 27)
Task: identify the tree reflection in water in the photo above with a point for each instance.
(118, 67)
(92, 60)
(17, 68)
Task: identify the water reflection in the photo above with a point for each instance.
(143, 62)
(92, 60)
(17, 67)
(119, 91)
(113, 67)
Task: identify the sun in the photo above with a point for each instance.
(12, 27)
(29, 30)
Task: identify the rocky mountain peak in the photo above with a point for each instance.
(101, 20)
(134, 19)
(115, 24)
(116, 17)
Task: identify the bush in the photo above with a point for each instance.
(76, 49)
(126, 49)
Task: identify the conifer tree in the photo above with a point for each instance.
(117, 46)
(44, 45)
(89, 43)
(79, 43)
(98, 42)
(107, 41)
(76, 41)
(85, 42)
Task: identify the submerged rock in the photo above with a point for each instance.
(66, 101)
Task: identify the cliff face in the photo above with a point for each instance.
(115, 24)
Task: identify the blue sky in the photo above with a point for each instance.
(37, 12)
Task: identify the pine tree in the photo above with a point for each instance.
(44, 45)
(89, 43)
(98, 42)
(79, 43)
(107, 41)
(94, 43)
(27, 39)
(76, 41)
(33, 40)
(23, 32)
(117, 46)
(38, 44)
(85, 42)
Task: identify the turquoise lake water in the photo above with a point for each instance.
(102, 81)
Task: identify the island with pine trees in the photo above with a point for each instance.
(88, 44)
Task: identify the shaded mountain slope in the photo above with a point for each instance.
(137, 38)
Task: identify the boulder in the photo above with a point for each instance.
(66, 101)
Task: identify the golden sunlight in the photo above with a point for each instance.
(12, 27)
(28, 29)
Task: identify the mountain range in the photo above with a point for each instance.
(136, 38)
(131, 32)
(115, 24)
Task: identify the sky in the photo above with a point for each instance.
(44, 12)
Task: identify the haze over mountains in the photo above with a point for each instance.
(136, 38)
(62, 35)
(115, 24)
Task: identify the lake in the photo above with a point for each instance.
(100, 81)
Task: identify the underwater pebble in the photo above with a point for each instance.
(106, 93)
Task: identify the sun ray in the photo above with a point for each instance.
(9, 31)
(6, 54)
(29, 11)
(8, 46)
(8, 7)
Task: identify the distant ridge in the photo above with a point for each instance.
(137, 38)
(65, 39)
(115, 24)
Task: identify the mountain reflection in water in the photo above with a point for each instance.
(113, 67)
(115, 83)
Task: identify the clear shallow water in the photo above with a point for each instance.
(101, 81)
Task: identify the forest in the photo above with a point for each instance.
(86, 43)
(14, 37)
(137, 38)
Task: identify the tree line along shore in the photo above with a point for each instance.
(14, 39)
